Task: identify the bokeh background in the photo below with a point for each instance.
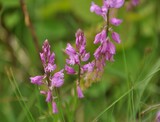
(137, 62)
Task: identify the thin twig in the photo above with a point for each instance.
(150, 108)
(29, 24)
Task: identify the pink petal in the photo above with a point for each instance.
(37, 80)
(116, 37)
(49, 96)
(79, 92)
(115, 21)
(85, 57)
(54, 108)
(69, 70)
(58, 79)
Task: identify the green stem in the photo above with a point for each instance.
(107, 23)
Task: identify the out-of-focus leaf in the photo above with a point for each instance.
(9, 3)
(82, 9)
(53, 7)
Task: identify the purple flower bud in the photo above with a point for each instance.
(46, 48)
(116, 37)
(50, 67)
(54, 107)
(70, 50)
(100, 37)
(58, 79)
(113, 3)
(82, 50)
(115, 21)
(49, 96)
(158, 117)
(80, 39)
(79, 92)
(43, 59)
(37, 80)
(85, 57)
(51, 58)
(69, 70)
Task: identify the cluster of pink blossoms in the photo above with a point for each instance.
(49, 79)
(79, 57)
(106, 50)
(76, 57)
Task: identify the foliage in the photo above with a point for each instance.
(129, 86)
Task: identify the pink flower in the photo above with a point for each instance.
(69, 70)
(85, 57)
(88, 67)
(47, 58)
(54, 107)
(97, 53)
(70, 50)
(98, 10)
(100, 37)
(50, 67)
(80, 40)
(79, 92)
(52, 80)
(49, 96)
(116, 37)
(46, 48)
(73, 59)
(113, 3)
(110, 47)
(115, 21)
(58, 79)
(37, 80)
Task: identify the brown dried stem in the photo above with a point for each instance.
(29, 24)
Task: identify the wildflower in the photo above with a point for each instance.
(69, 70)
(100, 37)
(50, 80)
(113, 3)
(116, 37)
(76, 57)
(115, 21)
(106, 50)
(37, 80)
(57, 79)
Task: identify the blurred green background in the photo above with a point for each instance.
(137, 62)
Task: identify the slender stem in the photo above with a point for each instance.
(150, 109)
(79, 71)
(107, 30)
(29, 24)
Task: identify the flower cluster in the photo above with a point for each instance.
(106, 50)
(76, 57)
(49, 80)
